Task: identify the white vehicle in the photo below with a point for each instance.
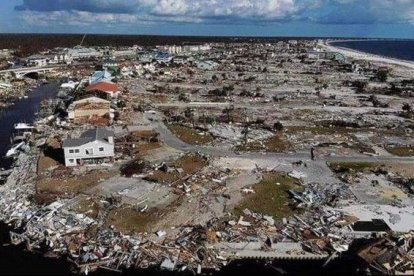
(14, 150)
(22, 126)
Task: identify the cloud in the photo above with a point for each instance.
(218, 11)
(94, 6)
(197, 9)
(365, 12)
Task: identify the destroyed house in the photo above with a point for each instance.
(94, 146)
(89, 108)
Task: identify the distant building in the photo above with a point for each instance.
(206, 64)
(326, 55)
(109, 63)
(79, 52)
(163, 57)
(94, 146)
(196, 48)
(128, 52)
(44, 60)
(172, 50)
(314, 55)
(146, 57)
(37, 60)
(58, 58)
(180, 59)
(6, 53)
(125, 53)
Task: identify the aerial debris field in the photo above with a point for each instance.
(220, 152)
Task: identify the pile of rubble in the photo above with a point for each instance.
(318, 195)
(235, 134)
(390, 255)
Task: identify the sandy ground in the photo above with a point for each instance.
(368, 57)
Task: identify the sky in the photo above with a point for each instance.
(321, 18)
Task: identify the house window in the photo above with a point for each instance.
(76, 150)
(71, 160)
(89, 151)
(71, 151)
(101, 149)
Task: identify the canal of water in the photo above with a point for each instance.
(24, 111)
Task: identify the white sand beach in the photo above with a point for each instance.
(367, 56)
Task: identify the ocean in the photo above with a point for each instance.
(399, 49)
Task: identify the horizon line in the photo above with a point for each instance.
(211, 36)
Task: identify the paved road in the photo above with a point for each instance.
(171, 140)
(28, 69)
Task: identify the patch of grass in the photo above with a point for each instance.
(189, 135)
(88, 207)
(145, 148)
(190, 164)
(269, 197)
(403, 169)
(129, 220)
(346, 167)
(72, 184)
(401, 151)
(144, 135)
(44, 163)
(54, 143)
(275, 143)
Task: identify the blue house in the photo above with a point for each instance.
(163, 56)
(100, 76)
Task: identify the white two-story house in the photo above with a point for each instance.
(94, 146)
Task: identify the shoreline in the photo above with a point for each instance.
(355, 54)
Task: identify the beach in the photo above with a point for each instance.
(367, 56)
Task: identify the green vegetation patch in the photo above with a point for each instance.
(72, 184)
(87, 206)
(128, 220)
(346, 167)
(401, 151)
(271, 196)
(276, 143)
(189, 164)
(190, 135)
